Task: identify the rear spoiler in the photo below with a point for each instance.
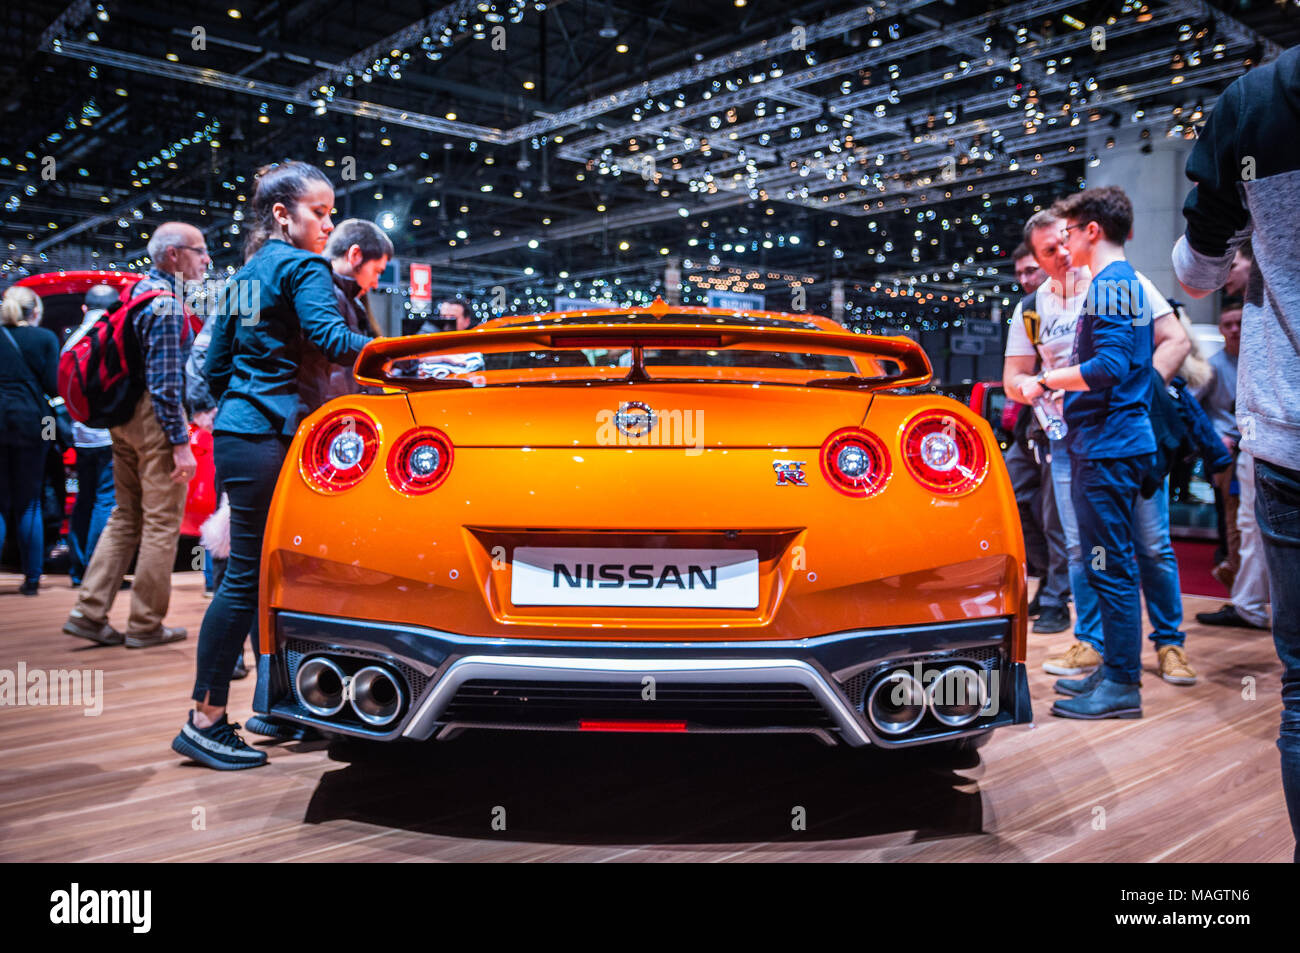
(375, 364)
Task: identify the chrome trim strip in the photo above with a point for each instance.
(550, 669)
(470, 641)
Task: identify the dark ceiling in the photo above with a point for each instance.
(544, 146)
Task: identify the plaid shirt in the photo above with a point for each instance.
(163, 331)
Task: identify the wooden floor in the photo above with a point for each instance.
(1197, 779)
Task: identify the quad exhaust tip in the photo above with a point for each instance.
(896, 703)
(322, 686)
(376, 696)
(957, 696)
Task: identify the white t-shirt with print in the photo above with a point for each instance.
(1059, 317)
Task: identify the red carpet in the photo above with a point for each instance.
(1195, 560)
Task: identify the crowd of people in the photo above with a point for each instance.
(1093, 347)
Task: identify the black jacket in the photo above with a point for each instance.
(319, 379)
(282, 298)
(22, 411)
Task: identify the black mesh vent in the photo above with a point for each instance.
(494, 701)
(295, 650)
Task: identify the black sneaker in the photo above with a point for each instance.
(1228, 615)
(1052, 619)
(1034, 606)
(284, 730)
(217, 747)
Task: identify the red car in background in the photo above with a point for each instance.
(62, 294)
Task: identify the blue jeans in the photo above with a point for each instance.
(95, 499)
(1277, 507)
(1105, 494)
(22, 481)
(1157, 564)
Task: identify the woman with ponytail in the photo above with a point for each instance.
(282, 297)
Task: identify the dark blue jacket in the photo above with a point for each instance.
(1113, 348)
(282, 297)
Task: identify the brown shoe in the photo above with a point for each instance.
(1079, 659)
(159, 636)
(100, 632)
(1174, 667)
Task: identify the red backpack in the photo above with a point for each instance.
(101, 375)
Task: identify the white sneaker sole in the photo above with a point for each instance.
(1051, 669)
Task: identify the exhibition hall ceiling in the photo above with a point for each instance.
(557, 148)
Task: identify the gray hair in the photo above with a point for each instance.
(165, 236)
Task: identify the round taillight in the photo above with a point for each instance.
(420, 460)
(855, 462)
(340, 450)
(944, 453)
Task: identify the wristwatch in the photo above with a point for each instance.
(1041, 380)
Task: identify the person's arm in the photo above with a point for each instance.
(312, 291)
(1217, 221)
(197, 394)
(1172, 345)
(219, 364)
(1016, 369)
(1020, 358)
(164, 366)
(1113, 340)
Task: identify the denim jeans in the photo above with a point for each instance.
(95, 499)
(1277, 508)
(1157, 564)
(248, 467)
(1044, 539)
(1105, 494)
(1158, 567)
(22, 481)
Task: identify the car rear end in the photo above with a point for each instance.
(672, 554)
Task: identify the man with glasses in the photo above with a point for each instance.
(152, 460)
(1059, 305)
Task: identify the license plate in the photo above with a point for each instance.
(685, 578)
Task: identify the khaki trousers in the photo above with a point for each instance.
(146, 520)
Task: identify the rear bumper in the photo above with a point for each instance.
(806, 686)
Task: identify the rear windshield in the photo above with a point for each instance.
(777, 364)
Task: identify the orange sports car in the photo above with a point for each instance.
(668, 519)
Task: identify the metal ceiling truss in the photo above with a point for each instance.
(966, 37)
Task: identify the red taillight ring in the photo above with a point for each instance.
(944, 453)
(405, 476)
(878, 467)
(347, 465)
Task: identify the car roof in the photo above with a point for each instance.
(76, 282)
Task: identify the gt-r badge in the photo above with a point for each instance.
(789, 473)
(635, 419)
